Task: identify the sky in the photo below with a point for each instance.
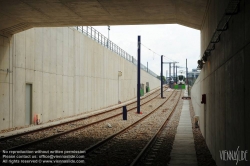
(175, 42)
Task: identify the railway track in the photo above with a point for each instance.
(125, 145)
(34, 137)
(84, 138)
(154, 153)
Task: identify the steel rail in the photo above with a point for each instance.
(69, 131)
(157, 134)
(100, 143)
(64, 123)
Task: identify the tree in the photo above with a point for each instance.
(163, 78)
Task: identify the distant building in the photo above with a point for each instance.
(192, 76)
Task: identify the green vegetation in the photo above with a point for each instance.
(163, 78)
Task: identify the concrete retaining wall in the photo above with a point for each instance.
(224, 120)
(69, 72)
(6, 82)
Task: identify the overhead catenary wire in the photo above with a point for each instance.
(154, 52)
(157, 53)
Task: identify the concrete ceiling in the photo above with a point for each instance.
(19, 15)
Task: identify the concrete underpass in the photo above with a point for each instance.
(44, 56)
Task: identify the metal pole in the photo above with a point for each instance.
(169, 70)
(188, 85)
(166, 75)
(187, 76)
(108, 36)
(138, 74)
(118, 91)
(186, 71)
(176, 74)
(161, 77)
(147, 66)
(108, 31)
(174, 71)
(91, 32)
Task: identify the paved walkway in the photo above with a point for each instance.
(183, 152)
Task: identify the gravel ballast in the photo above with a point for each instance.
(204, 157)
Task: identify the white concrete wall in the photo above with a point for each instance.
(70, 74)
(224, 120)
(6, 82)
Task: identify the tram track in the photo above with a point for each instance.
(149, 154)
(16, 141)
(114, 147)
(84, 138)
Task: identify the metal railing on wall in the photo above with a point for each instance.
(101, 39)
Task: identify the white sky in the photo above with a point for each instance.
(174, 41)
